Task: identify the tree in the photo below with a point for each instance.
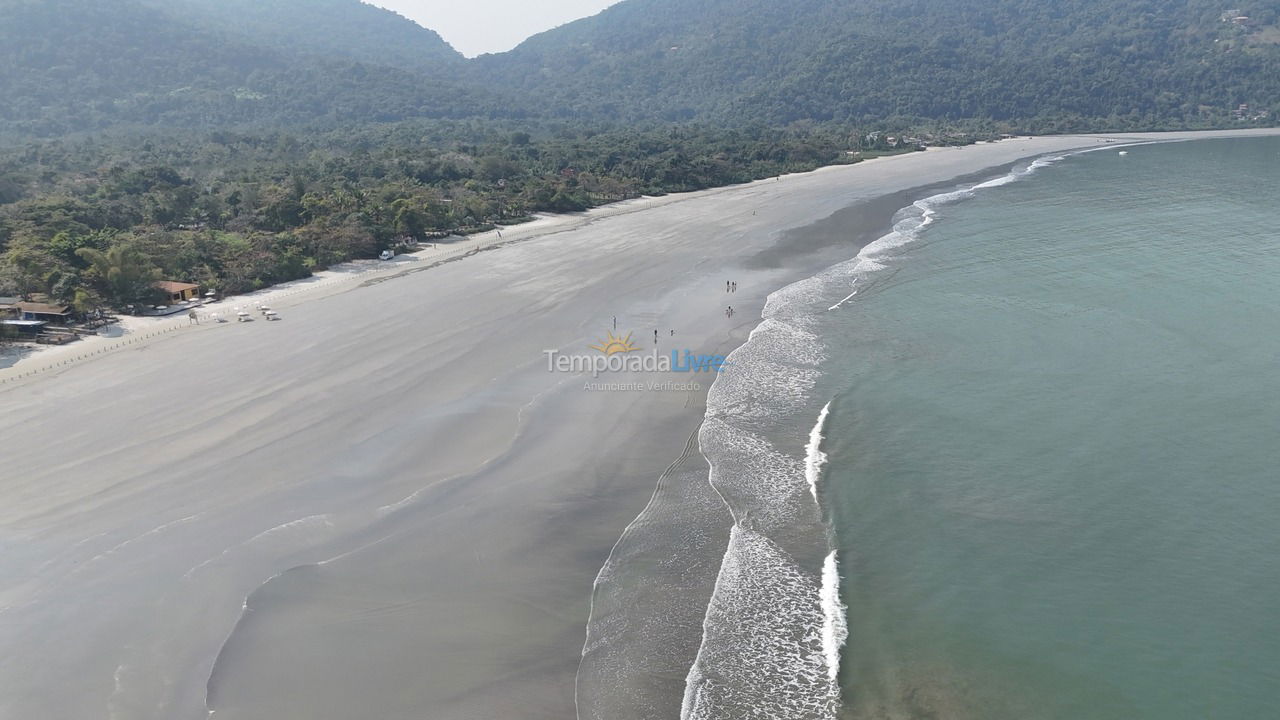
(494, 168)
(409, 218)
(85, 300)
(122, 273)
(26, 270)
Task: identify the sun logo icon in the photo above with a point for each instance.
(615, 344)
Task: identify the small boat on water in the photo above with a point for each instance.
(1124, 152)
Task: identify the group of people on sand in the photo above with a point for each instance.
(729, 286)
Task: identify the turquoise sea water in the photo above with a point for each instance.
(1054, 445)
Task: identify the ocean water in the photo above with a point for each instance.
(1054, 444)
(1018, 459)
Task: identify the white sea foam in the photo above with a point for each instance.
(762, 648)
(780, 361)
(835, 628)
(761, 655)
(814, 457)
(846, 298)
(766, 485)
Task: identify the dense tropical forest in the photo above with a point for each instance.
(236, 211)
(1065, 65)
(239, 143)
(71, 66)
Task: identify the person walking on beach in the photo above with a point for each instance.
(655, 336)
(726, 285)
(615, 322)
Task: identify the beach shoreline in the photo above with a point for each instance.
(390, 473)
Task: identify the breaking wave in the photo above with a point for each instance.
(814, 457)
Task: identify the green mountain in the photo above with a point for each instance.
(326, 28)
(1053, 65)
(80, 65)
(69, 66)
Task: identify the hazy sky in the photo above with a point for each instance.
(481, 26)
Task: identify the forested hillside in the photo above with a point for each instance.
(325, 28)
(1066, 64)
(81, 65)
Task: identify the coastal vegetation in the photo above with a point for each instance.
(97, 219)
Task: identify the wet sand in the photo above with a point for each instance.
(384, 505)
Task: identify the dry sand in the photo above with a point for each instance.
(431, 502)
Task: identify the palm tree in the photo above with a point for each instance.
(125, 274)
(85, 301)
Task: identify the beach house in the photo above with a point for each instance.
(44, 312)
(177, 292)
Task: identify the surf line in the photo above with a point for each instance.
(814, 457)
(847, 298)
(835, 626)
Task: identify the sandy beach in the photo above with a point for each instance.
(385, 505)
